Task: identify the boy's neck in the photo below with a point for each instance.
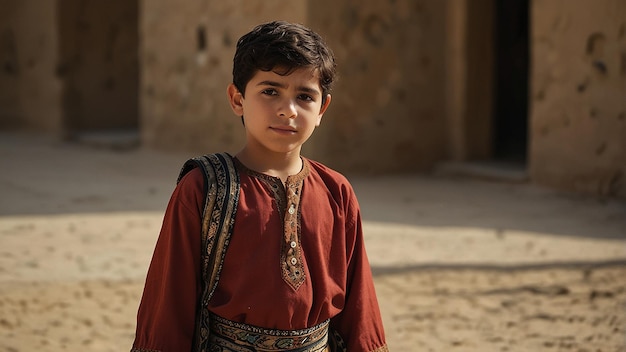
(281, 165)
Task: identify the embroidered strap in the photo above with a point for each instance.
(222, 196)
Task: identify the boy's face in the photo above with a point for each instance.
(280, 112)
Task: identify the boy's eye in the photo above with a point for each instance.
(269, 92)
(305, 97)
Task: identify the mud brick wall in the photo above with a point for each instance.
(162, 67)
(98, 63)
(386, 112)
(29, 89)
(578, 97)
(186, 60)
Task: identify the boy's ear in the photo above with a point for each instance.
(323, 109)
(235, 98)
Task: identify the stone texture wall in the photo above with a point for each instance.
(98, 63)
(29, 89)
(186, 62)
(68, 65)
(392, 107)
(578, 97)
(386, 113)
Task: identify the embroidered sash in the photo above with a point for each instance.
(237, 337)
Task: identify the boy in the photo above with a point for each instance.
(295, 276)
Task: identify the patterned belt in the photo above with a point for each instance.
(226, 335)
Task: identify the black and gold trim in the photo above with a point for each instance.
(230, 336)
(222, 196)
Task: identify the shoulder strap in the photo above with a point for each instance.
(220, 206)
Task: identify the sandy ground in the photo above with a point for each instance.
(459, 264)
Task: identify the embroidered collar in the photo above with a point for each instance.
(297, 178)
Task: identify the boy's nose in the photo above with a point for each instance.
(288, 109)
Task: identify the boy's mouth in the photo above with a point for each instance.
(284, 129)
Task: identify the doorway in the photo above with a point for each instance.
(99, 44)
(488, 80)
(511, 77)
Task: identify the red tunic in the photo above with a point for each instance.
(296, 258)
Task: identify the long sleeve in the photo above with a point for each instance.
(360, 322)
(166, 315)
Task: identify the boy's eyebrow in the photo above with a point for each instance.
(280, 85)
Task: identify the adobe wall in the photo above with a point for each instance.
(186, 62)
(29, 89)
(386, 113)
(391, 106)
(98, 63)
(578, 95)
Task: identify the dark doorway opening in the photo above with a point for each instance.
(99, 44)
(510, 115)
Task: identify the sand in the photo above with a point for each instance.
(459, 264)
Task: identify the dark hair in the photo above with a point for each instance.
(286, 46)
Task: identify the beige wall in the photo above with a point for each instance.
(29, 88)
(183, 87)
(387, 108)
(387, 113)
(578, 98)
(414, 86)
(98, 63)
